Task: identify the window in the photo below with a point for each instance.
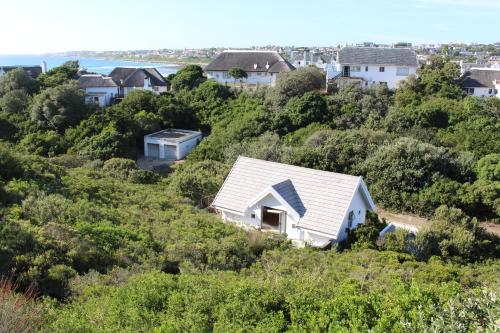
(350, 219)
(403, 71)
(383, 83)
(470, 91)
(226, 75)
(490, 91)
(366, 83)
(381, 69)
(253, 215)
(355, 69)
(366, 68)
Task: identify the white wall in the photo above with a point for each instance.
(182, 148)
(359, 206)
(264, 79)
(110, 92)
(255, 222)
(186, 146)
(484, 92)
(374, 76)
(155, 89)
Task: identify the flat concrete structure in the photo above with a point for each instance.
(170, 144)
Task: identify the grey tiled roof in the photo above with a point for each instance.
(377, 56)
(480, 78)
(247, 60)
(95, 80)
(321, 198)
(134, 77)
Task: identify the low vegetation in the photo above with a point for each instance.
(109, 247)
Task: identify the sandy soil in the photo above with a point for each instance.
(419, 222)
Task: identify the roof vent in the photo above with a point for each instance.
(255, 66)
(267, 65)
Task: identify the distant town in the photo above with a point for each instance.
(479, 53)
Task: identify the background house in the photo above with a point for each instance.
(308, 58)
(481, 82)
(374, 65)
(99, 90)
(34, 71)
(310, 206)
(262, 67)
(129, 79)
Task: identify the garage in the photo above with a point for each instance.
(170, 144)
(153, 150)
(170, 152)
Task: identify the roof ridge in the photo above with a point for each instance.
(295, 166)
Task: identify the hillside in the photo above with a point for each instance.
(95, 244)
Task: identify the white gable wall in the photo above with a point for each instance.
(359, 206)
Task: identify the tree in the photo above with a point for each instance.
(18, 79)
(59, 107)
(398, 170)
(294, 84)
(199, 181)
(237, 73)
(188, 77)
(59, 75)
(15, 102)
(301, 111)
(488, 167)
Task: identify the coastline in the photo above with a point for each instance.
(172, 62)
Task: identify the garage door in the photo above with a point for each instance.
(153, 150)
(170, 152)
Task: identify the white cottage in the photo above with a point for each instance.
(309, 206)
(130, 79)
(481, 82)
(374, 65)
(99, 90)
(170, 144)
(262, 67)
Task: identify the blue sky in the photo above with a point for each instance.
(38, 26)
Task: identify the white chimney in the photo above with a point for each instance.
(267, 65)
(44, 66)
(254, 66)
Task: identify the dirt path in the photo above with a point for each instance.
(419, 222)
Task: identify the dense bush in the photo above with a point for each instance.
(293, 290)
(199, 181)
(80, 222)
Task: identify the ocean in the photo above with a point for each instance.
(102, 66)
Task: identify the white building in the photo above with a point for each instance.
(99, 90)
(129, 79)
(262, 67)
(170, 144)
(309, 206)
(308, 58)
(481, 82)
(374, 65)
